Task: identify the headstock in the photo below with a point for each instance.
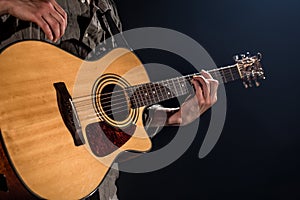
(250, 68)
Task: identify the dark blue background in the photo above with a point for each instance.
(257, 155)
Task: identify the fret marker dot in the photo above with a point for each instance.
(169, 93)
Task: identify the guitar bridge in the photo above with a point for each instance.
(68, 113)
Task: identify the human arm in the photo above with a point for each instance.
(47, 14)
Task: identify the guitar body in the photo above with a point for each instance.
(38, 143)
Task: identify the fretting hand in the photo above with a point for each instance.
(205, 96)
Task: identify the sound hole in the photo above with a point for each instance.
(114, 102)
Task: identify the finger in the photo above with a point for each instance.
(61, 23)
(199, 93)
(204, 84)
(214, 84)
(44, 26)
(63, 16)
(54, 26)
(60, 10)
(206, 74)
(55, 17)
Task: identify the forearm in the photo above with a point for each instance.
(158, 116)
(184, 115)
(187, 113)
(162, 116)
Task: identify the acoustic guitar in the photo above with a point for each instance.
(64, 120)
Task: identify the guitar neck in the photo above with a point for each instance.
(155, 92)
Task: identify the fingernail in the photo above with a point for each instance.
(50, 38)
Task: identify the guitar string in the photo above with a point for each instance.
(141, 86)
(101, 114)
(116, 111)
(145, 89)
(218, 76)
(150, 91)
(145, 98)
(148, 99)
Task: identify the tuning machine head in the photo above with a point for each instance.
(250, 68)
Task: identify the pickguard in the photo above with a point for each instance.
(105, 139)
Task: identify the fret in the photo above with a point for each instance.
(137, 97)
(179, 85)
(236, 72)
(184, 85)
(159, 91)
(135, 104)
(133, 96)
(165, 96)
(229, 75)
(236, 75)
(146, 94)
(170, 90)
(170, 93)
(232, 78)
(176, 91)
(141, 97)
(150, 94)
(155, 93)
(223, 76)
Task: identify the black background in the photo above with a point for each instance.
(257, 155)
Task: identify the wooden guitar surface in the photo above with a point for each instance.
(38, 144)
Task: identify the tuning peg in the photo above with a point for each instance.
(250, 84)
(235, 57)
(245, 84)
(257, 84)
(259, 56)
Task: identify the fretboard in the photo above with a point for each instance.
(151, 93)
